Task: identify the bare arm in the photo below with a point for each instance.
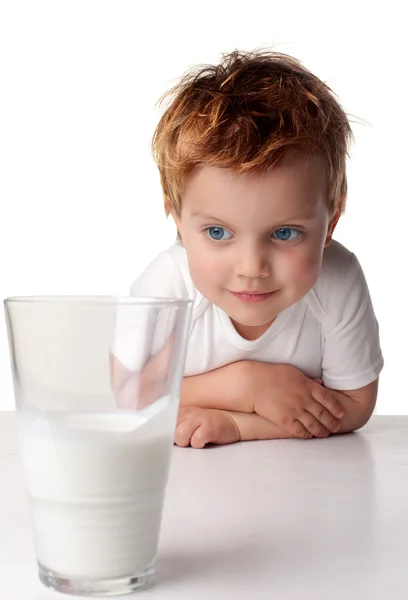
(253, 427)
(237, 387)
(197, 427)
(132, 389)
(358, 406)
(221, 388)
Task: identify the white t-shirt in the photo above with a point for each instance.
(331, 333)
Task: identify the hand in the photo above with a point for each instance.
(200, 426)
(298, 405)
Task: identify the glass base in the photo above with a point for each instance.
(96, 587)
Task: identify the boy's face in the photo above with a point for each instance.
(255, 243)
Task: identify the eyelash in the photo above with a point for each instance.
(207, 229)
(296, 229)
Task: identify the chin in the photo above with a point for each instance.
(247, 321)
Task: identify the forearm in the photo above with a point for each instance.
(253, 427)
(356, 414)
(232, 388)
(221, 388)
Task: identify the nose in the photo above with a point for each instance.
(252, 262)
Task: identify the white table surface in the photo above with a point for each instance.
(285, 519)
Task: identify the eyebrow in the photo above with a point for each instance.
(305, 217)
(200, 215)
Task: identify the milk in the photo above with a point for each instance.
(96, 484)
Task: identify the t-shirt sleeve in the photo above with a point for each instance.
(142, 331)
(352, 356)
(163, 278)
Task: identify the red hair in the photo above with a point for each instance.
(243, 114)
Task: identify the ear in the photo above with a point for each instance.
(332, 226)
(167, 205)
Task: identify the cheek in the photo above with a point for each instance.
(301, 268)
(205, 269)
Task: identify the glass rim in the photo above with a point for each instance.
(99, 300)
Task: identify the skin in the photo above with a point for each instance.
(248, 211)
(261, 234)
(258, 234)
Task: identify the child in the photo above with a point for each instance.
(283, 340)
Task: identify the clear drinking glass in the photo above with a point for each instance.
(96, 382)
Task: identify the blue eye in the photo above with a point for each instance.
(284, 234)
(218, 233)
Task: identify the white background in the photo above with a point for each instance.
(81, 208)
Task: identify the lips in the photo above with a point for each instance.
(251, 296)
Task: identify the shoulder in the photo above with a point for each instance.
(340, 289)
(339, 266)
(165, 274)
(168, 275)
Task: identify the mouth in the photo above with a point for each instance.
(251, 297)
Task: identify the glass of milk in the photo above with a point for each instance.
(96, 383)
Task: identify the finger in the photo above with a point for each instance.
(323, 416)
(328, 400)
(292, 426)
(188, 412)
(312, 425)
(200, 437)
(184, 432)
(298, 430)
(182, 415)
